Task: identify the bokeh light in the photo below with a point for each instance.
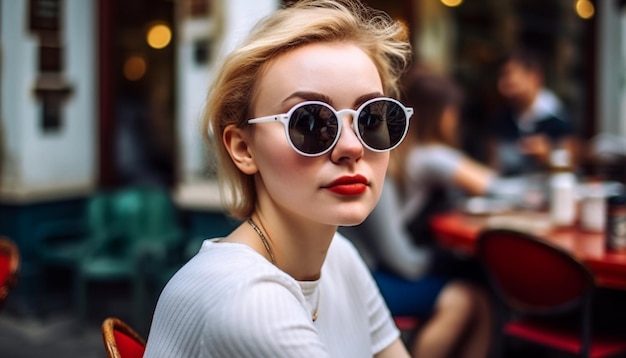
(135, 68)
(452, 3)
(159, 36)
(585, 9)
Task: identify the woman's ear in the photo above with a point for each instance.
(236, 143)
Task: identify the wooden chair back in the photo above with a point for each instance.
(120, 340)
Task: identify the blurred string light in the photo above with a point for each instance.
(452, 3)
(159, 36)
(134, 68)
(584, 9)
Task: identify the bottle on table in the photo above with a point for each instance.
(562, 189)
(615, 232)
(593, 207)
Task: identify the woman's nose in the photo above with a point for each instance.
(348, 145)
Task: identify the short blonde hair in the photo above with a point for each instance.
(308, 21)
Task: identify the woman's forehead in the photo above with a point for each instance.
(339, 71)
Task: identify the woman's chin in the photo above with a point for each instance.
(347, 214)
(351, 220)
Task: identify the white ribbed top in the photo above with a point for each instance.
(229, 301)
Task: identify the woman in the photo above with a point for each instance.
(414, 278)
(303, 127)
(430, 169)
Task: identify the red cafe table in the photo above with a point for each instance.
(459, 231)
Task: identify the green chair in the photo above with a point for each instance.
(64, 242)
(158, 230)
(160, 250)
(147, 228)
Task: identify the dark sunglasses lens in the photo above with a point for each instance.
(313, 128)
(382, 124)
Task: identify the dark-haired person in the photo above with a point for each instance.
(534, 121)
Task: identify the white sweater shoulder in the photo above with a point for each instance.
(228, 301)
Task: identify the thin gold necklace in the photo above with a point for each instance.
(264, 240)
(273, 261)
(316, 312)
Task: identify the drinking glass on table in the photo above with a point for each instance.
(528, 192)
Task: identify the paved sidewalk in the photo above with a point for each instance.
(53, 337)
(50, 328)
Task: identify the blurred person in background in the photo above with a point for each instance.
(430, 169)
(533, 122)
(416, 277)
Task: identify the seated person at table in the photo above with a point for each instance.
(533, 122)
(410, 271)
(432, 174)
(454, 316)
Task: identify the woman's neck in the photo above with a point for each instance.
(299, 247)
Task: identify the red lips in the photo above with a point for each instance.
(348, 185)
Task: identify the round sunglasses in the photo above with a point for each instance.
(313, 127)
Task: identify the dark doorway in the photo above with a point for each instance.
(137, 94)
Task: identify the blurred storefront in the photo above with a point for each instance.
(99, 94)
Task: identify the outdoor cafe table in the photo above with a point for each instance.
(458, 231)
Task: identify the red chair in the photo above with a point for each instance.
(406, 323)
(120, 340)
(538, 283)
(9, 267)
(408, 327)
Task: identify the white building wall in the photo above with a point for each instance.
(621, 69)
(230, 21)
(192, 80)
(18, 107)
(611, 37)
(39, 164)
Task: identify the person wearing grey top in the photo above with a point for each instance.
(425, 175)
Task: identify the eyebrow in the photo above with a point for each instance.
(314, 96)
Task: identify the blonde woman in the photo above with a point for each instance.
(303, 118)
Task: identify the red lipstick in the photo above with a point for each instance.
(348, 185)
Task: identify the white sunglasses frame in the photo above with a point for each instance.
(284, 119)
